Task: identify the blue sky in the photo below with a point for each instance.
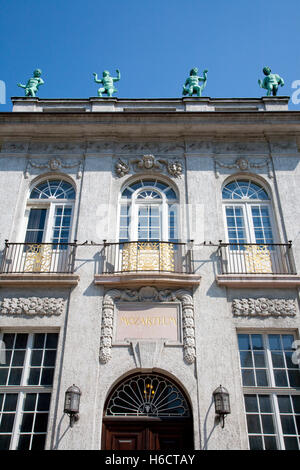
(154, 43)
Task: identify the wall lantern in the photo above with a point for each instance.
(72, 400)
(222, 403)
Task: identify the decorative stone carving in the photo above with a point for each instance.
(57, 147)
(149, 163)
(14, 147)
(148, 294)
(121, 168)
(158, 148)
(264, 307)
(54, 164)
(243, 164)
(32, 306)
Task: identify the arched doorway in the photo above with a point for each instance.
(147, 412)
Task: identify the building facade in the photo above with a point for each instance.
(150, 251)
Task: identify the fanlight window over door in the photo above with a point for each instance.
(147, 395)
(49, 222)
(249, 225)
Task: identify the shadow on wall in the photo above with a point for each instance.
(206, 433)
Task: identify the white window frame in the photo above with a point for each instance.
(23, 389)
(271, 390)
(248, 218)
(163, 203)
(50, 206)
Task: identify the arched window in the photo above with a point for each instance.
(147, 411)
(145, 395)
(248, 213)
(148, 212)
(50, 212)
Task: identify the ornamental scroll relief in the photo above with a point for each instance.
(243, 164)
(263, 307)
(147, 294)
(32, 306)
(54, 164)
(149, 163)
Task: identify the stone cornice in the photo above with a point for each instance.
(148, 124)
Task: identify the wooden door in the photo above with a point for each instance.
(146, 435)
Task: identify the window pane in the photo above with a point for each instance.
(248, 377)
(246, 359)
(36, 357)
(291, 443)
(38, 442)
(34, 376)
(3, 376)
(43, 402)
(15, 376)
(267, 423)
(47, 376)
(257, 342)
(41, 421)
(298, 424)
(251, 403)
(49, 359)
(253, 424)
(270, 443)
(280, 378)
(244, 342)
(284, 404)
(27, 422)
(255, 443)
(7, 422)
(8, 339)
(18, 358)
(5, 442)
(259, 359)
(10, 403)
(29, 403)
(261, 378)
(287, 341)
(277, 359)
(38, 342)
(294, 378)
(265, 404)
(274, 342)
(24, 442)
(288, 425)
(21, 341)
(296, 403)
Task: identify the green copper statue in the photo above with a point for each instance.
(192, 83)
(107, 82)
(271, 82)
(33, 83)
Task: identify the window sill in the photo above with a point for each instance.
(278, 281)
(38, 279)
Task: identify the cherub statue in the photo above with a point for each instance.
(108, 82)
(271, 82)
(192, 83)
(33, 83)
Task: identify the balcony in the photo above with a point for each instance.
(38, 264)
(147, 263)
(257, 265)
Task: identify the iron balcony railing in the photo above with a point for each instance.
(141, 256)
(38, 258)
(257, 258)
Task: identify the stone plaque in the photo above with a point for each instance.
(147, 321)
